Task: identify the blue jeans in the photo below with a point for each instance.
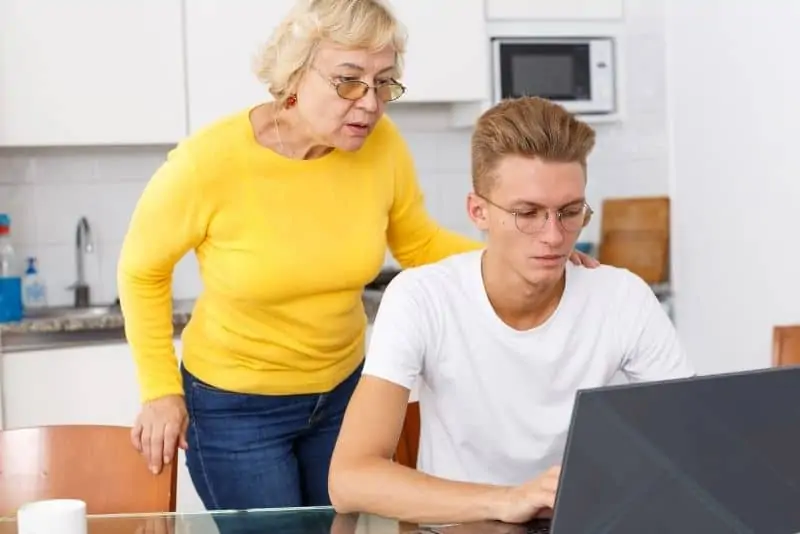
(262, 451)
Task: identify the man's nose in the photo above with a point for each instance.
(552, 233)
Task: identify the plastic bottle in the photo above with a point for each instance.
(10, 279)
(34, 292)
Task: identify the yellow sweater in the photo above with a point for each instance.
(285, 248)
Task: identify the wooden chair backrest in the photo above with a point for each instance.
(408, 445)
(786, 345)
(96, 464)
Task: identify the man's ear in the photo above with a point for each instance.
(477, 212)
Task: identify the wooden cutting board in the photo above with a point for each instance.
(645, 253)
(635, 214)
(634, 234)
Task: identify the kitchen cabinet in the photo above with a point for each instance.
(447, 59)
(79, 385)
(91, 72)
(569, 10)
(446, 62)
(223, 38)
(89, 384)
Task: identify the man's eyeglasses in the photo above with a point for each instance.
(572, 217)
(357, 89)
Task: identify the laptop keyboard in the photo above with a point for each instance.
(538, 526)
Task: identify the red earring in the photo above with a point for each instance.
(291, 100)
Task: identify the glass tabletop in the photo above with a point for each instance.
(321, 520)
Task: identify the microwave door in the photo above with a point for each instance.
(601, 65)
(556, 71)
(563, 72)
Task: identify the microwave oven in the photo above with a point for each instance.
(578, 73)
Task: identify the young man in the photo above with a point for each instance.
(500, 339)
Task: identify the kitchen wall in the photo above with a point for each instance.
(47, 190)
(734, 113)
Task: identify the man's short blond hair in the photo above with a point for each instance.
(353, 24)
(530, 127)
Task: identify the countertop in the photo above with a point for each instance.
(104, 326)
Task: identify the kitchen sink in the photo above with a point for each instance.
(71, 312)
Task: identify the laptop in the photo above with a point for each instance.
(716, 454)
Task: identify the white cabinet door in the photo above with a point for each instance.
(79, 385)
(447, 59)
(91, 72)
(554, 9)
(223, 38)
(446, 62)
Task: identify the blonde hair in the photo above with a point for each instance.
(356, 24)
(529, 127)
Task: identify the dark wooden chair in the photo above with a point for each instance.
(408, 445)
(786, 345)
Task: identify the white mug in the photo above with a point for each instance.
(56, 516)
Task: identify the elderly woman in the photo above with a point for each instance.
(289, 207)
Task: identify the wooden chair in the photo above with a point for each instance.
(96, 464)
(634, 234)
(786, 345)
(408, 445)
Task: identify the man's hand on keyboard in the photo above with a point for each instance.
(532, 499)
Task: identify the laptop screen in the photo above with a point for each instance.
(708, 454)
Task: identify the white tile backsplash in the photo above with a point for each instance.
(47, 190)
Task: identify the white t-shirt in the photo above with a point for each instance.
(495, 402)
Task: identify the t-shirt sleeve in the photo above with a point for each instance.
(401, 333)
(651, 349)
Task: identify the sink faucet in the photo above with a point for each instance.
(83, 245)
